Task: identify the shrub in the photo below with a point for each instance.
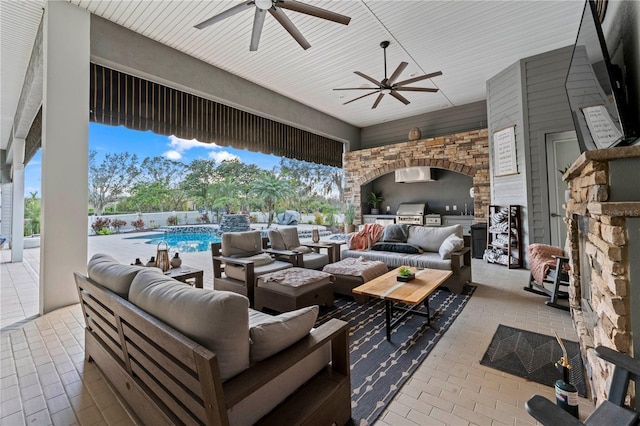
(104, 231)
(173, 220)
(253, 218)
(99, 224)
(138, 224)
(118, 223)
(318, 217)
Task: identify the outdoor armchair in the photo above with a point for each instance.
(239, 259)
(285, 245)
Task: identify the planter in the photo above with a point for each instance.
(375, 211)
(349, 229)
(405, 278)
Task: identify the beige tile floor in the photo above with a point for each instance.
(45, 380)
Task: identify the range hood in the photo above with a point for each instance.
(414, 174)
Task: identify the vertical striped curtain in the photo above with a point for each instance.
(120, 99)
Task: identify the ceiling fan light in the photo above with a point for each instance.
(263, 4)
(385, 91)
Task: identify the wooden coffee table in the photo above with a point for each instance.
(411, 293)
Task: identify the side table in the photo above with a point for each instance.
(186, 274)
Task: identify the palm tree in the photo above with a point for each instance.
(271, 189)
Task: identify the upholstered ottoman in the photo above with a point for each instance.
(353, 272)
(292, 289)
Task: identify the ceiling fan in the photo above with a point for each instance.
(274, 7)
(388, 86)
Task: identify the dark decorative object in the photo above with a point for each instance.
(176, 261)
(151, 262)
(405, 278)
(415, 134)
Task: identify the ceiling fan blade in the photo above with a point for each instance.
(416, 89)
(227, 13)
(357, 88)
(422, 77)
(288, 25)
(378, 99)
(360, 97)
(258, 22)
(313, 11)
(397, 73)
(399, 97)
(366, 77)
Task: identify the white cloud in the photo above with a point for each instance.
(172, 155)
(182, 145)
(222, 155)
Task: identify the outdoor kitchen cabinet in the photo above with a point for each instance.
(373, 218)
(465, 220)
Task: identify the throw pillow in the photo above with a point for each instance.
(302, 249)
(280, 332)
(395, 233)
(449, 245)
(431, 238)
(397, 248)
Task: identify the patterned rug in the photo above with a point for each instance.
(379, 368)
(533, 356)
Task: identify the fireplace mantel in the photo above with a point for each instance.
(604, 203)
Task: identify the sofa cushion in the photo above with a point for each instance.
(271, 335)
(431, 238)
(397, 233)
(260, 259)
(110, 273)
(241, 244)
(449, 245)
(218, 320)
(284, 238)
(396, 248)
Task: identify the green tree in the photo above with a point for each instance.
(112, 178)
(162, 170)
(272, 189)
(227, 194)
(32, 214)
(201, 174)
(312, 180)
(243, 175)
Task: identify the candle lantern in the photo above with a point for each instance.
(162, 256)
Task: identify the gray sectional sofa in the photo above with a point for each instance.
(423, 247)
(182, 355)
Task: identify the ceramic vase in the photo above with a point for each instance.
(176, 261)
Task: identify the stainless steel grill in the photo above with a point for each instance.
(411, 214)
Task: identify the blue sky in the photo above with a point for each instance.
(108, 139)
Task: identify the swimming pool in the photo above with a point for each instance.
(187, 242)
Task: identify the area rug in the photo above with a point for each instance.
(532, 356)
(379, 368)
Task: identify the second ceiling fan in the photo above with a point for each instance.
(274, 7)
(388, 86)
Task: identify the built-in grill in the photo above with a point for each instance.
(411, 214)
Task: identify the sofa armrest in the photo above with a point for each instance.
(335, 331)
(460, 259)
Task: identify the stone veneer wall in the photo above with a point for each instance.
(466, 153)
(606, 251)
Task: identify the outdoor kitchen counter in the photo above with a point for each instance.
(371, 218)
(465, 220)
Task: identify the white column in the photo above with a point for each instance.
(17, 219)
(65, 130)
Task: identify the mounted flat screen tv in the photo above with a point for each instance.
(602, 112)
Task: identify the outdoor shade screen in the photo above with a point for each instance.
(121, 99)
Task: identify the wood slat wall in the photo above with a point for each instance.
(119, 99)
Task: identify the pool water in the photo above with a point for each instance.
(184, 242)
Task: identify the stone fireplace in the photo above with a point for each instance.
(466, 153)
(603, 224)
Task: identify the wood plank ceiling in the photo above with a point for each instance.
(469, 41)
